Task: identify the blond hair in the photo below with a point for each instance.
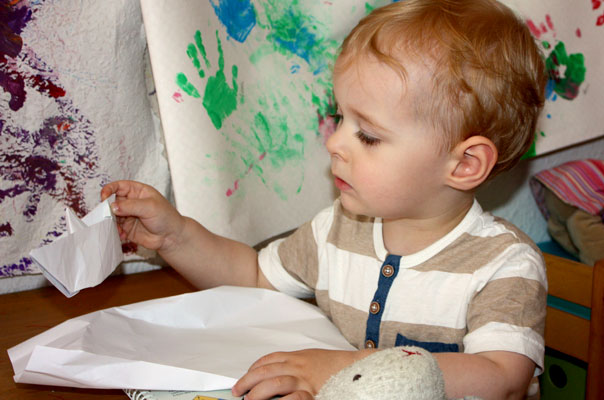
(488, 76)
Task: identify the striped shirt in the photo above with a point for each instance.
(482, 287)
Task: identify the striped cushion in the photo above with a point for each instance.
(578, 183)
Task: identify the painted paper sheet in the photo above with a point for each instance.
(74, 114)
(244, 90)
(570, 35)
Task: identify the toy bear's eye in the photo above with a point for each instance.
(356, 377)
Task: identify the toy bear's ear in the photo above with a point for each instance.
(397, 373)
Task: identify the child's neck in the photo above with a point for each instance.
(408, 236)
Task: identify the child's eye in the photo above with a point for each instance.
(366, 139)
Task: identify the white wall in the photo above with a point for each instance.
(509, 195)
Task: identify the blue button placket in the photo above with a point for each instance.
(372, 333)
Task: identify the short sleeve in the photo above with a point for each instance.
(291, 264)
(508, 312)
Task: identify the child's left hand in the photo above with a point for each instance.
(297, 375)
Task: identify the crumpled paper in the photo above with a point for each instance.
(196, 341)
(86, 254)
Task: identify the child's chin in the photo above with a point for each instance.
(352, 206)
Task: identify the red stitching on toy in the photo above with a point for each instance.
(411, 353)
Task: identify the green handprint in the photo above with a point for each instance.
(566, 83)
(219, 99)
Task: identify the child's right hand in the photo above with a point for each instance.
(144, 216)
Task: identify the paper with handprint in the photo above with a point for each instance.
(245, 95)
(85, 255)
(570, 39)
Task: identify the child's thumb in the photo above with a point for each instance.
(130, 208)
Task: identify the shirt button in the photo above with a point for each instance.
(374, 307)
(370, 344)
(387, 270)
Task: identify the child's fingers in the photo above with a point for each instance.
(266, 374)
(278, 385)
(271, 380)
(121, 188)
(107, 191)
(271, 358)
(141, 208)
(129, 229)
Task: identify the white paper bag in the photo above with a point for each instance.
(86, 254)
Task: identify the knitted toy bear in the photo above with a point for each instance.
(409, 373)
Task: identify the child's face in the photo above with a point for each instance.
(385, 161)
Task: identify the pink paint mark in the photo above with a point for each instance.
(548, 20)
(327, 126)
(231, 191)
(177, 96)
(542, 28)
(533, 28)
(578, 32)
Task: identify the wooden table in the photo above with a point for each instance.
(26, 314)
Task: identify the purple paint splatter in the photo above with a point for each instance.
(6, 229)
(58, 158)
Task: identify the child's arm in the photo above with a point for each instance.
(146, 218)
(489, 375)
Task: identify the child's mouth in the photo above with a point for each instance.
(341, 184)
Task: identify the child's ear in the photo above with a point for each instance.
(471, 163)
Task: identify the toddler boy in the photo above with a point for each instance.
(434, 98)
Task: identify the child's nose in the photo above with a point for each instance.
(335, 144)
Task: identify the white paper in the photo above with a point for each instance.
(197, 341)
(84, 256)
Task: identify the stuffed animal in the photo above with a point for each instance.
(571, 198)
(409, 373)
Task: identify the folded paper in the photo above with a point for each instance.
(197, 341)
(85, 255)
